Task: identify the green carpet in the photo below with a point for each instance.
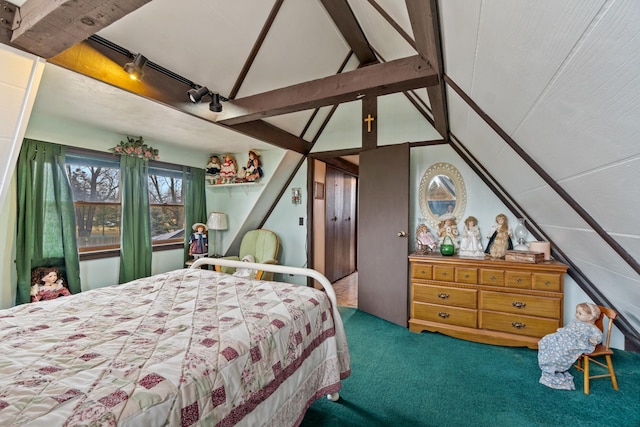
(400, 378)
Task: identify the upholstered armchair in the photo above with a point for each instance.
(262, 245)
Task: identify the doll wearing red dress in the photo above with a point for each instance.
(45, 284)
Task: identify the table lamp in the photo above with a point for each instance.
(217, 221)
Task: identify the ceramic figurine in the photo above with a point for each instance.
(424, 239)
(500, 238)
(448, 227)
(470, 244)
(228, 169)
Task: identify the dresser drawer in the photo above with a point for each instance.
(546, 282)
(517, 324)
(467, 276)
(517, 279)
(445, 314)
(491, 277)
(446, 274)
(521, 304)
(443, 295)
(421, 271)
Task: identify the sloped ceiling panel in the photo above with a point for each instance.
(399, 121)
(168, 24)
(387, 42)
(556, 76)
(302, 45)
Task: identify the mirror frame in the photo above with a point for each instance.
(461, 193)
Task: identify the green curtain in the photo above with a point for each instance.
(46, 234)
(135, 247)
(195, 203)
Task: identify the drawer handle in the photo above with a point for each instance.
(422, 272)
(518, 325)
(442, 295)
(546, 282)
(444, 273)
(492, 278)
(518, 280)
(466, 276)
(443, 314)
(517, 304)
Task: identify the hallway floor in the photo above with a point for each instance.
(347, 290)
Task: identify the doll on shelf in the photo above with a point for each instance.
(470, 244)
(46, 284)
(500, 238)
(558, 351)
(448, 227)
(228, 169)
(253, 171)
(198, 242)
(214, 166)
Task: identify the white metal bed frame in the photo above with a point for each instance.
(275, 268)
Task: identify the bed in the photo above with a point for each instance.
(190, 347)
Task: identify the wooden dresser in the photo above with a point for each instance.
(485, 300)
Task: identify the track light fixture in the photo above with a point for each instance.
(215, 104)
(134, 69)
(196, 95)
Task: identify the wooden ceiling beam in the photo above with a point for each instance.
(47, 27)
(348, 25)
(425, 23)
(374, 80)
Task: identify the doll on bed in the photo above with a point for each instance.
(558, 351)
(46, 284)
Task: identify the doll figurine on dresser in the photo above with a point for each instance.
(500, 238)
(448, 227)
(424, 239)
(470, 244)
(558, 351)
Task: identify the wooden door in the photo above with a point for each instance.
(339, 224)
(383, 221)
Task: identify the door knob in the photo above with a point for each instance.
(334, 219)
(402, 234)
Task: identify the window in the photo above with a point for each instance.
(95, 185)
(166, 202)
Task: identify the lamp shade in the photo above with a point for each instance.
(217, 221)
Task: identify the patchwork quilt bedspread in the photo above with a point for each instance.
(184, 348)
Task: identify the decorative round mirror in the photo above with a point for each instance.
(442, 192)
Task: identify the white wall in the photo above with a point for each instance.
(20, 75)
(284, 221)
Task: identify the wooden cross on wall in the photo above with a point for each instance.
(369, 119)
(369, 122)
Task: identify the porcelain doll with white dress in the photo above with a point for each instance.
(470, 244)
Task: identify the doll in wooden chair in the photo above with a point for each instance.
(558, 351)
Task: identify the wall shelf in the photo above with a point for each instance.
(244, 185)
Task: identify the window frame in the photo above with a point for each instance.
(110, 251)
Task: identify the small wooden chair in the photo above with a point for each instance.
(601, 350)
